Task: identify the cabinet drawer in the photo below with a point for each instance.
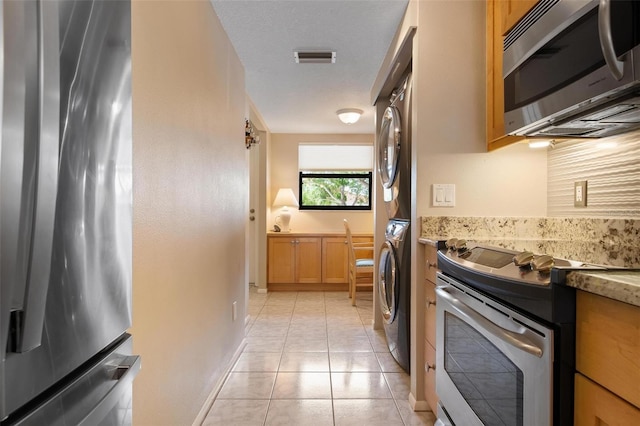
(431, 262)
(430, 376)
(430, 313)
(608, 344)
(594, 405)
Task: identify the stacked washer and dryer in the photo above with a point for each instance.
(394, 259)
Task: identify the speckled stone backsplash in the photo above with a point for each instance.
(614, 242)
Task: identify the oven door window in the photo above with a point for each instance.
(486, 378)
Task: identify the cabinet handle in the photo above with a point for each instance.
(430, 302)
(431, 265)
(428, 367)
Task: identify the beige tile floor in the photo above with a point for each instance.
(313, 359)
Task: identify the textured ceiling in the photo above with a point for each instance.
(304, 98)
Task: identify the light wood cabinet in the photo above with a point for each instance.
(308, 261)
(594, 405)
(334, 260)
(496, 137)
(294, 259)
(512, 12)
(608, 344)
(430, 376)
(607, 382)
(431, 267)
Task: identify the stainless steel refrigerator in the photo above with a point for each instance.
(65, 213)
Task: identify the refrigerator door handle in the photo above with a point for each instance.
(48, 123)
(12, 127)
(124, 373)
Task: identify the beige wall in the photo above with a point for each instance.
(283, 173)
(448, 140)
(189, 207)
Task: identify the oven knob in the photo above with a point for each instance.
(542, 263)
(451, 243)
(523, 259)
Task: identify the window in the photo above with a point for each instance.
(335, 176)
(335, 191)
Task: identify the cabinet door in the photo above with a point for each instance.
(430, 376)
(281, 260)
(334, 260)
(608, 344)
(430, 313)
(496, 137)
(513, 11)
(308, 260)
(594, 405)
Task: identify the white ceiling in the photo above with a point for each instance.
(304, 98)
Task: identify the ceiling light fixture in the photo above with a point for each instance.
(349, 115)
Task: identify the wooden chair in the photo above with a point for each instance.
(360, 264)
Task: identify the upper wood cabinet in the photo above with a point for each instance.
(512, 12)
(496, 137)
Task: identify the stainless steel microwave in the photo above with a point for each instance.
(572, 69)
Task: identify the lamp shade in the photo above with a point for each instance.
(349, 115)
(285, 197)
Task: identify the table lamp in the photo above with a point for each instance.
(285, 199)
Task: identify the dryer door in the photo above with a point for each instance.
(389, 146)
(387, 282)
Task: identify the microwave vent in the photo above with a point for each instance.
(529, 19)
(315, 57)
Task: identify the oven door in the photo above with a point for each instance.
(493, 366)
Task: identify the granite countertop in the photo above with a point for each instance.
(621, 285)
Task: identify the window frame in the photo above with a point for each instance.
(356, 174)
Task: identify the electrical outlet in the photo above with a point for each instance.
(580, 194)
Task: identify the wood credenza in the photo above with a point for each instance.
(304, 261)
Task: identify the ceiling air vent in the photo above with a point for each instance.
(326, 57)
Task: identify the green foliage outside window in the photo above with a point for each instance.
(335, 191)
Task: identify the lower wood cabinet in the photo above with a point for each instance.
(430, 376)
(334, 260)
(308, 261)
(595, 405)
(607, 360)
(430, 326)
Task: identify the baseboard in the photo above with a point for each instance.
(418, 405)
(202, 415)
(262, 290)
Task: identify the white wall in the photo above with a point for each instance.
(283, 173)
(190, 204)
(610, 167)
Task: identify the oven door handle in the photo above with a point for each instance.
(517, 340)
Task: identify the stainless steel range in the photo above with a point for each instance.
(505, 337)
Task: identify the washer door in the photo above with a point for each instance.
(389, 146)
(387, 282)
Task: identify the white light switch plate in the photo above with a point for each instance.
(444, 194)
